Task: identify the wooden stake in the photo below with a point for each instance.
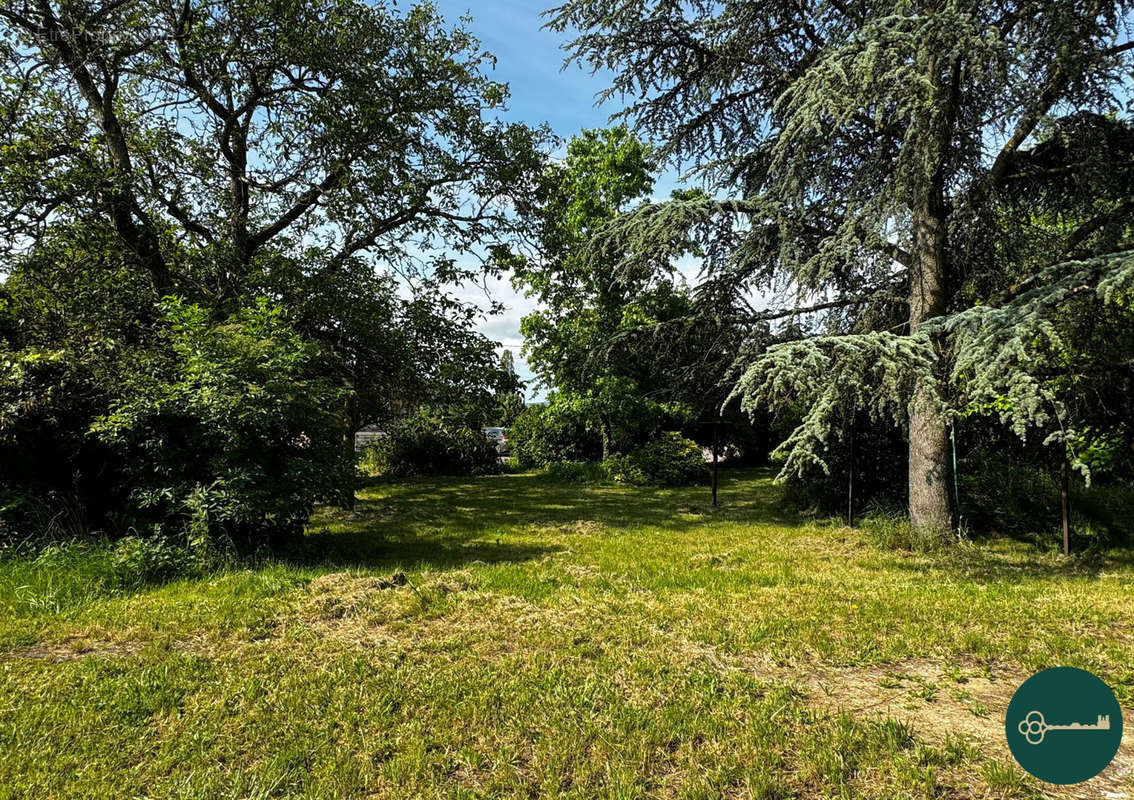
(1065, 504)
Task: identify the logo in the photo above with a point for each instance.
(1063, 725)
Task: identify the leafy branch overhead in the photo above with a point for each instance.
(233, 128)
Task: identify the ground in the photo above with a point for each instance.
(511, 636)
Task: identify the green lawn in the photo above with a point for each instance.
(553, 640)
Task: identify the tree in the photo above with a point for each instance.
(509, 392)
(306, 159)
(234, 427)
(210, 134)
(851, 149)
(583, 339)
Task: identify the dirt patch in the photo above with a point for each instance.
(74, 648)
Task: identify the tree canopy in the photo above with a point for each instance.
(206, 134)
(860, 158)
(230, 233)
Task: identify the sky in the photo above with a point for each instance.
(530, 61)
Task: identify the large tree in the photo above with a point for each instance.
(855, 152)
(598, 335)
(208, 134)
(308, 162)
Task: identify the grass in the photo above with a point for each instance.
(554, 640)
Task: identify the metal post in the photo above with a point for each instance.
(716, 440)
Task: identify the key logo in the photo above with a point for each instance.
(1063, 725)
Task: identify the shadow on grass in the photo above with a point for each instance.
(446, 522)
(984, 564)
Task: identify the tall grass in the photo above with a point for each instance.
(71, 573)
(1004, 498)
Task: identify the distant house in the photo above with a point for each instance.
(367, 434)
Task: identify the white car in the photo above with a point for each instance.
(500, 437)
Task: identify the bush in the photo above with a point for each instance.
(880, 472)
(232, 429)
(668, 460)
(1001, 496)
(545, 434)
(427, 445)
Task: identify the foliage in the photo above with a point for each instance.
(667, 460)
(1015, 496)
(576, 472)
(75, 320)
(233, 425)
(593, 337)
(862, 163)
(557, 431)
(326, 155)
(576, 427)
(1041, 362)
(355, 126)
(868, 461)
(831, 377)
(508, 400)
(425, 444)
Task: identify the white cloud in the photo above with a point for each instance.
(504, 328)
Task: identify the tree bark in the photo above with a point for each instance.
(930, 468)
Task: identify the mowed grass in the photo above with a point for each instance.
(551, 640)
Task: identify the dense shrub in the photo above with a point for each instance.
(424, 444)
(232, 429)
(879, 462)
(554, 432)
(1005, 496)
(668, 460)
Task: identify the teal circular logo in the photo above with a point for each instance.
(1063, 725)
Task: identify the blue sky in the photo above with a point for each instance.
(529, 60)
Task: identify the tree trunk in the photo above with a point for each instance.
(607, 435)
(930, 468)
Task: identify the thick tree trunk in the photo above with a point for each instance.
(930, 469)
